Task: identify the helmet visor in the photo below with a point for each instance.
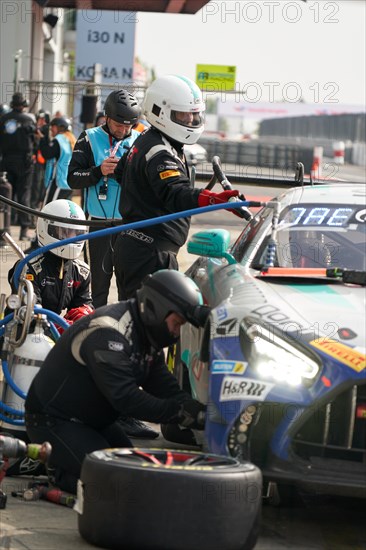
(59, 233)
(187, 118)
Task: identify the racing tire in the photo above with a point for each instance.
(168, 499)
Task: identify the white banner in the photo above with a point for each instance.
(263, 110)
(106, 37)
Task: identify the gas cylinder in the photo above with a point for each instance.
(24, 363)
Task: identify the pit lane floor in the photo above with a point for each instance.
(322, 524)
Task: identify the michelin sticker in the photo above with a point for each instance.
(233, 388)
(228, 367)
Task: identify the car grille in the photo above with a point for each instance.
(336, 430)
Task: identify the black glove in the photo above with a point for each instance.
(192, 414)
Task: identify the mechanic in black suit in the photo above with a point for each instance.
(112, 363)
(17, 138)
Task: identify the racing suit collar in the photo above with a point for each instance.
(140, 327)
(176, 144)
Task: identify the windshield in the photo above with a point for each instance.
(326, 236)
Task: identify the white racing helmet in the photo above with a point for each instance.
(49, 231)
(174, 105)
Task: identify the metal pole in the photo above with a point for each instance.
(17, 68)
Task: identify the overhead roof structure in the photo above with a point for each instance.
(161, 6)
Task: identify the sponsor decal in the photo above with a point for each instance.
(28, 466)
(11, 126)
(177, 467)
(221, 313)
(228, 367)
(84, 271)
(228, 328)
(132, 153)
(37, 266)
(167, 166)
(139, 236)
(115, 346)
(29, 277)
(350, 357)
(47, 282)
(168, 174)
(233, 388)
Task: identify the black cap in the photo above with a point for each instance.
(18, 100)
(61, 122)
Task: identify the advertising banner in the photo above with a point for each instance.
(262, 110)
(106, 37)
(215, 78)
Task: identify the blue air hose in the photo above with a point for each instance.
(135, 225)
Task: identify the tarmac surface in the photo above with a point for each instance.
(42, 525)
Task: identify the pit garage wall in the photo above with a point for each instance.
(343, 127)
(15, 35)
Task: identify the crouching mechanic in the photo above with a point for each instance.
(111, 363)
(61, 280)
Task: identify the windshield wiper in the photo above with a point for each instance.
(351, 276)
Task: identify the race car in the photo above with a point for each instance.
(281, 361)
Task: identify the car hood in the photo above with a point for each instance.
(312, 308)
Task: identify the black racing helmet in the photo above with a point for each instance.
(122, 107)
(18, 100)
(164, 292)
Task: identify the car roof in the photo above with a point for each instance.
(335, 193)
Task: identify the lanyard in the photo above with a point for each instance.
(113, 150)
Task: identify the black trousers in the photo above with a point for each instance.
(70, 442)
(37, 190)
(136, 257)
(100, 254)
(19, 170)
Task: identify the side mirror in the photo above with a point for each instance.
(213, 244)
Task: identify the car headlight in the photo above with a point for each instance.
(277, 356)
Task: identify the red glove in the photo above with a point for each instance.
(77, 312)
(73, 315)
(205, 198)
